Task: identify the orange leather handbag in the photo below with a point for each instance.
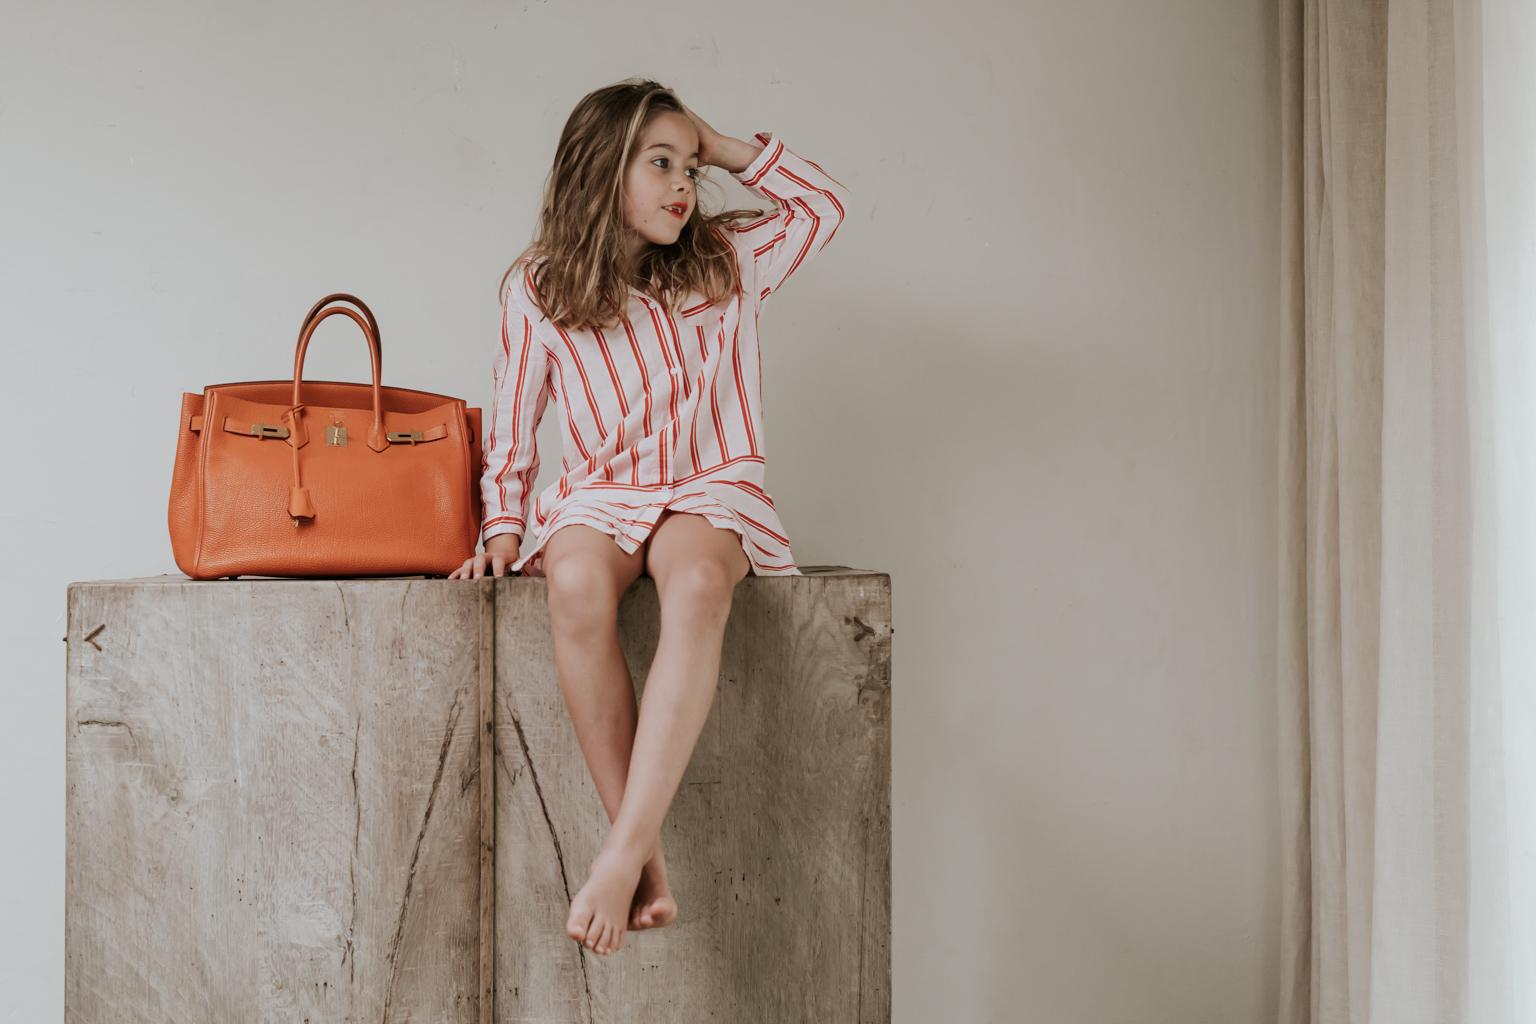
(324, 478)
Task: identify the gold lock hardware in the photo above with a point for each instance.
(268, 430)
(403, 436)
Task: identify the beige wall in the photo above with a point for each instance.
(1032, 378)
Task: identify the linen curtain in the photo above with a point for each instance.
(1407, 646)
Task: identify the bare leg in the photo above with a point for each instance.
(696, 567)
(587, 574)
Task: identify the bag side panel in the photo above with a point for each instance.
(183, 512)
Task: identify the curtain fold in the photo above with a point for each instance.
(1408, 519)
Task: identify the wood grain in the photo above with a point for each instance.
(778, 841)
(272, 802)
(281, 808)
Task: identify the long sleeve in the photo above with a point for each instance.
(811, 205)
(511, 459)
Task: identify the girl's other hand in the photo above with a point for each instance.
(500, 552)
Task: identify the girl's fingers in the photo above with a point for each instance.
(705, 131)
(474, 568)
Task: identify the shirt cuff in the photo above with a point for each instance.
(499, 525)
(754, 171)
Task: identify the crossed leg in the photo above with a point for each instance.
(637, 757)
(586, 576)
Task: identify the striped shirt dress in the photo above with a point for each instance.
(663, 411)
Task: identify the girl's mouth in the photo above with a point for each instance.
(677, 211)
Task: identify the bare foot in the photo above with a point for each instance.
(653, 906)
(599, 911)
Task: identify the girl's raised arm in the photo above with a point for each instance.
(811, 205)
(512, 453)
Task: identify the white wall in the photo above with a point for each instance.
(1032, 378)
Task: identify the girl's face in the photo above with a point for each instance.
(662, 173)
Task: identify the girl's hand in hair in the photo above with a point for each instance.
(708, 145)
(716, 150)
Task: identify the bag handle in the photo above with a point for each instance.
(300, 507)
(370, 327)
(344, 297)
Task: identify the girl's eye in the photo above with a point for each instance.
(693, 172)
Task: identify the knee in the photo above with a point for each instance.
(582, 593)
(703, 587)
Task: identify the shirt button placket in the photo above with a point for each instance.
(667, 436)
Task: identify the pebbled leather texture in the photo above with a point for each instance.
(368, 507)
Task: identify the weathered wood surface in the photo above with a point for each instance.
(279, 808)
(778, 842)
(273, 802)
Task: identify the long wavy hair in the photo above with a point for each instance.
(578, 260)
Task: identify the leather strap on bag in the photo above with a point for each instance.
(300, 507)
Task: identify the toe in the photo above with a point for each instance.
(576, 926)
(594, 932)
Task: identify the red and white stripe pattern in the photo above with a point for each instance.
(663, 411)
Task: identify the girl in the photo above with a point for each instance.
(638, 312)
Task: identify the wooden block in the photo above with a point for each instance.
(273, 802)
(279, 808)
(778, 841)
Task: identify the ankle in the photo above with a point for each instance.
(631, 851)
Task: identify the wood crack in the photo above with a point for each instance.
(502, 762)
(549, 823)
(863, 921)
(467, 779)
(346, 619)
(349, 949)
(105, 723)
(348, 954)
(421, 833)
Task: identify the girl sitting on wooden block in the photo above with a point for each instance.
(638, 312)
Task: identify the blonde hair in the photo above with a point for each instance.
(578, 260)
